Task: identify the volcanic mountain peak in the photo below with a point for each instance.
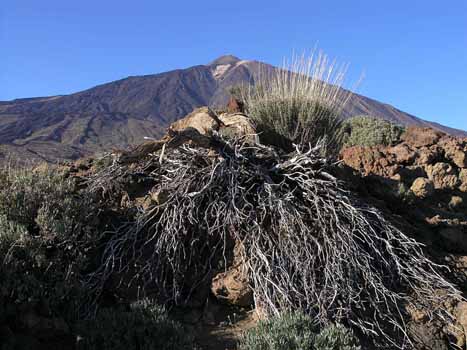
(224, 60)
(223, 65)
(123, 112)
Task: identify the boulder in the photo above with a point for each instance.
(456, 203)
(455, 150)
(443, 176)
(370, 160)
(203, 119)
(403, 154)
(428, 155)
(237, 125)
(420, 137)
(459, 158)
(422, 187)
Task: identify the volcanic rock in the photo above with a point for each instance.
(419, 137)
(370, 160)
(456, 203)
(443, 176)
(422, 187)
(235, 106)
(203, 119)
(238, 125)
(403, 154)
(429, 155)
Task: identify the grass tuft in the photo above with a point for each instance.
(300, 103)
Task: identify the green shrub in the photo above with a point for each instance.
(43, 199)
(336, 337)
(23, 191)
(296, 331)
(48, 236)
(50, 205)
(370, 131)
(10, 232)
(291, 331)
(299, 104)
(144, 326)
(34, 276)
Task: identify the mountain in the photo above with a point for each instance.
(123, 112)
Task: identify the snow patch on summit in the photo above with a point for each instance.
(220, 70)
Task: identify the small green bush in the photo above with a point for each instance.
(48, 236)
(34, 277)
(43, 199)
(144, 326)
(291, 331)
(336, 337)
(370, 131)
(23, 191)
(48, 204)
(296, 331)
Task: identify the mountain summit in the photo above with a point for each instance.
(123, 112)
(226, 59)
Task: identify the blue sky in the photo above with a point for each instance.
(413, 53)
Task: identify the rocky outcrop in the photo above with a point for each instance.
(435, 156)
(443, 175)
(370, 160)
(427, 166)
(203, 119)
(421, 137)
(427, 177)
(238, 125)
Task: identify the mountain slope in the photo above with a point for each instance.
(122, 112)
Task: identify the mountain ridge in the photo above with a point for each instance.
(122, 112)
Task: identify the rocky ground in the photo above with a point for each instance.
(420, 184)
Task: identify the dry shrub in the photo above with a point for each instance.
(310, 245)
